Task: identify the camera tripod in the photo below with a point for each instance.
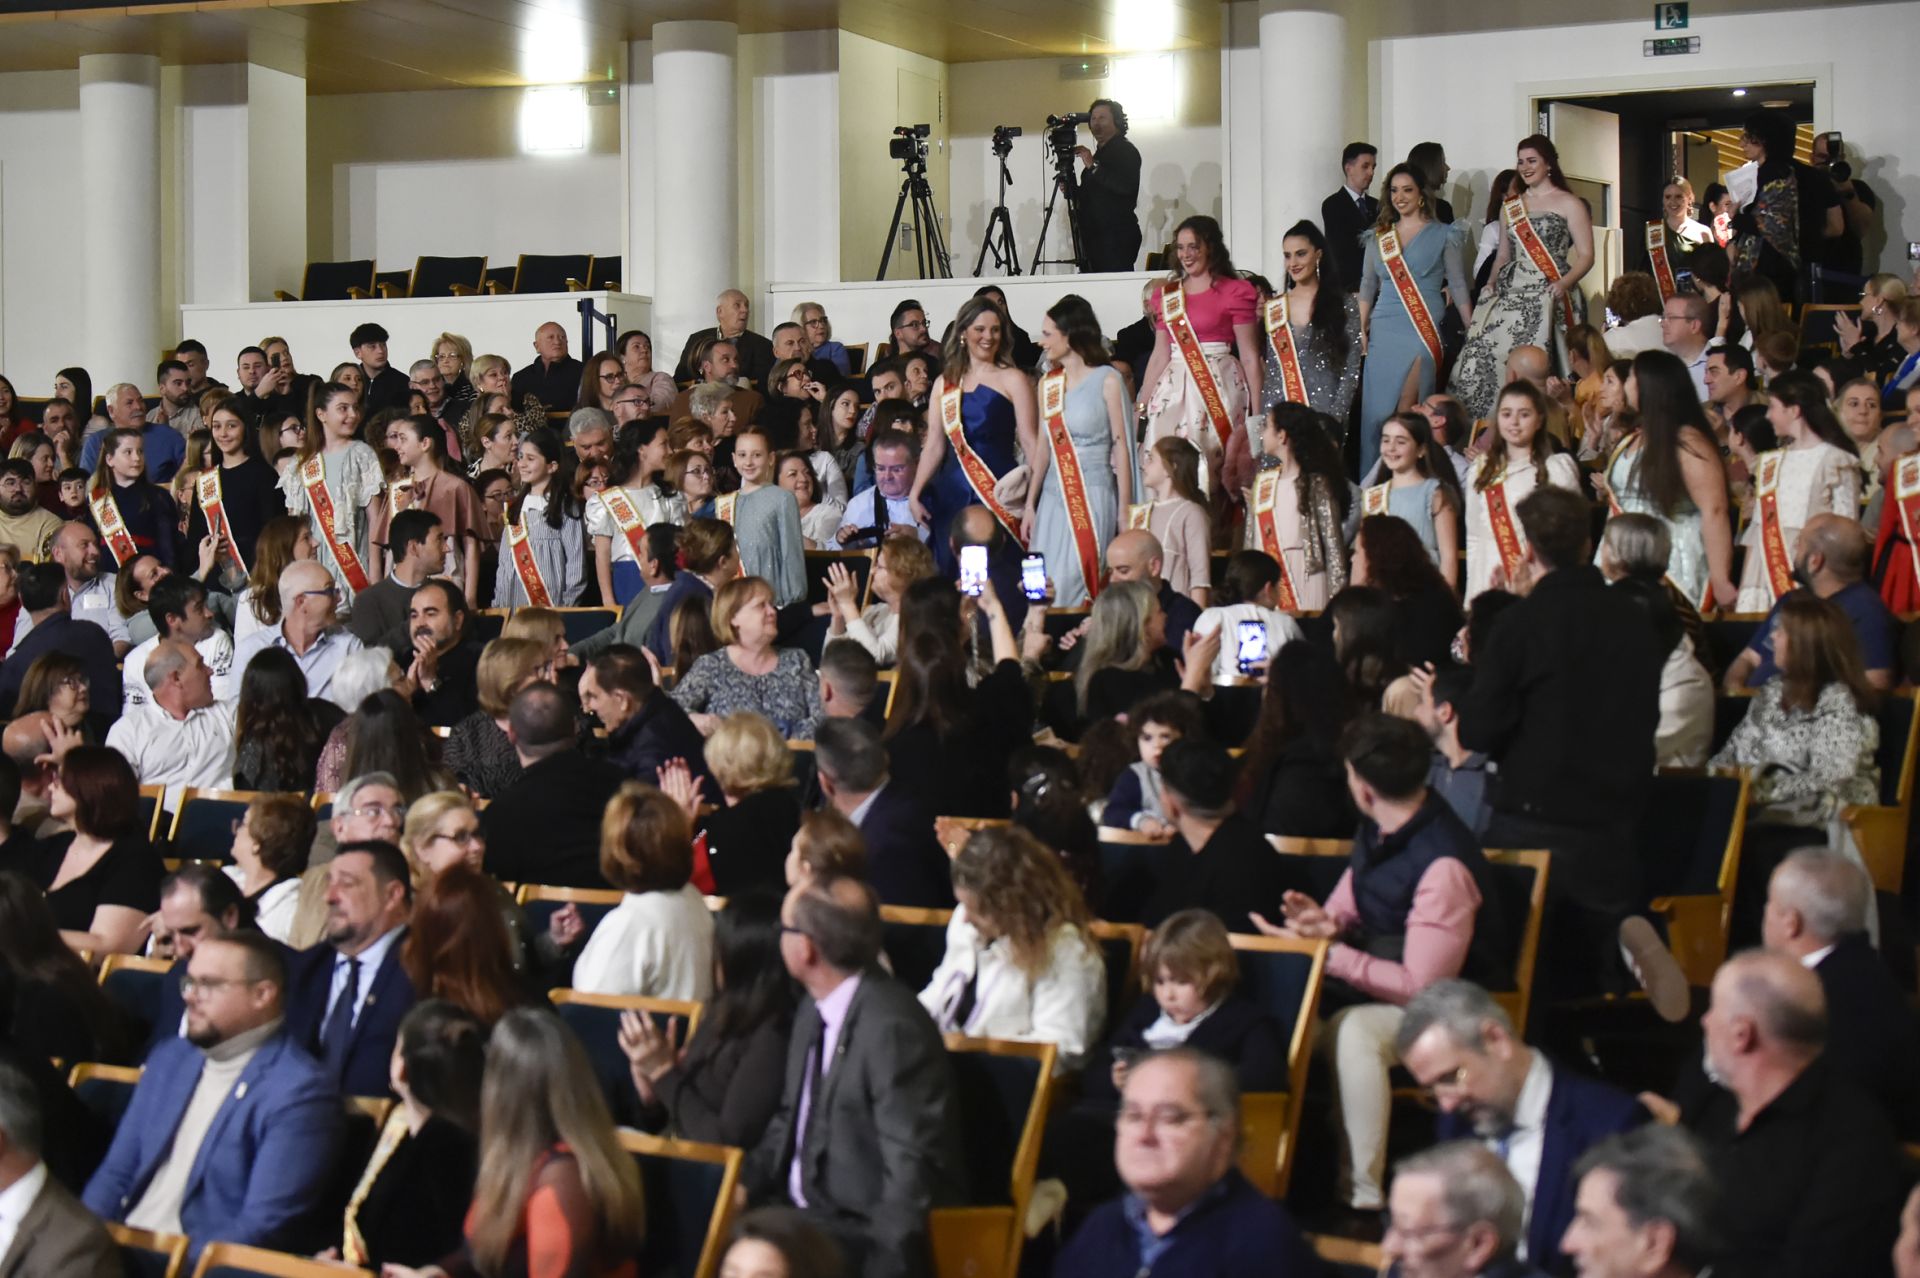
(999, 240)
(930, 249)
(1063, 177)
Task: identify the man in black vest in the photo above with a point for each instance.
(1109, 191)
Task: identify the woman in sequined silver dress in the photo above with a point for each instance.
(1325, 320)
(1526, 309)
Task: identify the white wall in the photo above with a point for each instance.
(39, 157)
(212, 264)
(1859, 57)
(1179, 155)
(880, 88)
(790, 180)
(393, 176)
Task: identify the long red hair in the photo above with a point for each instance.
(458, 947)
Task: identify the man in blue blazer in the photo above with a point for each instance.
(346, 999)
(1540, 1119)
(233, 1131)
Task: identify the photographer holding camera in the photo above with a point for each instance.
(1109, 191)
(1858, 205)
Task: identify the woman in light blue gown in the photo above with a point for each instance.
(1096, 416)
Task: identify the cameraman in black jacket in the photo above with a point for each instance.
(1109, 191)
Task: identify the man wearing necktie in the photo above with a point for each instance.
(1490, 1086)
(347, 997)
(867, 1139)
(1347, 215)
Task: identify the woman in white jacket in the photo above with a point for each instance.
(1020, 961)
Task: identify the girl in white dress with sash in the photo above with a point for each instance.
(1814, 471)
(1519, 460)
(332, 481)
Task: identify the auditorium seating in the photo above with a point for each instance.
(1881, 829)
(231, 1260)
(443, 277)
(857, 562)
(914, 941)
(539, 904)
(1001, 1089)
(333, 282)
(1689, 848)
(151, 799)
(1282, 976)
(595, 1021)
(1120, 945)
(105, 1090)
(689, 1192)
(1349, 1258)
(148, 1255)
(134, 984)
(202, 828)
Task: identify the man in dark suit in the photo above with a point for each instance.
(1348, 213)
(731, 310)
(1817, 902)
(554, 375)
(645, 727)
(1109, 191)
(1137, 555)
(1220, 861)
(233, 1130)
(905, 862)
(1491, 1087)
(345, 999)
(546, 827)
(197, 903)
(1574, 750)
(867, 1139)
(44, 1230)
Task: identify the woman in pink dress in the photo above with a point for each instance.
(1220, 309)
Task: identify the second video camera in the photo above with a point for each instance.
(909, 142)
(1060, 129)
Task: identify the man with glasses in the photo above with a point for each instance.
(629, 405)
(1683, 331)
(1455, 1212)
(309, 601)
(907, 327)
(1490, 1086)
(1187, 1209)
(886, 509)
(424, 375)
(346, 998)
(233, 1131)
(368, 807)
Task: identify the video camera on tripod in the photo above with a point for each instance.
(909, 143)
(1003, 136)
(909, 146)
(1062, 140)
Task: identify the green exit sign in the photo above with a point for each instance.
(1669, 46)
(1670, 17)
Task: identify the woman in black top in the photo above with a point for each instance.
(726, 1087)
(249, 492)
(103, 879)
(1388, 556)
(277, 729)
(56, 1008)
(747, 837)
(1292, 780)
(412, 1199)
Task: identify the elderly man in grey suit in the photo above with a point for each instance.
(43, 1229)
(867, 1138)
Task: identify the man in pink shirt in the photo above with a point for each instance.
(1405, 914)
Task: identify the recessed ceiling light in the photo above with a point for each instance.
(1739, 93)
(1778, 104)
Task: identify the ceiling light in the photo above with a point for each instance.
(1778, 104)
(1145, 24)
(553, 119)
(1739, 93)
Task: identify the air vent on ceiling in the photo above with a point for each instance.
(1084, 69)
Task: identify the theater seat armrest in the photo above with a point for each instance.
(1881, 834)
(357, 293)
(1696, 933)
(463, 290)
(576, 286)
(281, 295)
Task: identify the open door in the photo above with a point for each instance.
(1589, 144)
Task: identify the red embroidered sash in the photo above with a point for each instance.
(520, 546)
(1280, 334)
(1265, 489)
(213, 507)
(313, 477)
(1140, 516)
(1773, 545)
(1173, 310)
(1403, 283)
(1722, 228)
(723, 507)
(1506, 537)
(1657, 254)
(1073, 484)
(1374, 500)
(1906, 496)
(1516, 211)
(980, 476)
(113, 529)
(627, 517)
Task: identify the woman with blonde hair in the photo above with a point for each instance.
(543, 626)
(658, 942)
(748, 671)
(491, 375)
(1021, 962)
(1874, 337)
(900, 562)
(453, 356)
(477, 751)
(555, 1188)
(750, 834)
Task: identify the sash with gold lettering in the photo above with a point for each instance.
(213, 506)
(723, 507)
(1404, 284)
(520, 546)
(627, 516)
(1173, 310)
(1523, 230)
(1373, 501)
(1073, 484)
(313, 477)
(1140, 516)
(113, 529)
(980, 476)
(1280, 334)
(1657, 254)
(1773, 544)
(1265, 489)
(1906, 495)
(1506, 537)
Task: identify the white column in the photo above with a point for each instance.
(120, 222)
(276, 181)
(695, 178)
(1303, 64)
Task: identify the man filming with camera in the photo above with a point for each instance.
(1109, 191)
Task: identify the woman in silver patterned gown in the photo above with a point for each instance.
(1527, 308)
(1325, 320)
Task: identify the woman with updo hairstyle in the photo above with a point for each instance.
(658, 942)
(826, 845)
(1021, 962)
(271, 844)
(749, 835)
(1095, 435)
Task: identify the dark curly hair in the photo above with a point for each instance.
(1397, 562)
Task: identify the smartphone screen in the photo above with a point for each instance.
(973, 569)
(1683, 280)
(1033, 577)
(1253, 645)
